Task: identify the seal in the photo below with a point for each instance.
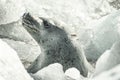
(55, 45)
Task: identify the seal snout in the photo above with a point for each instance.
(30, 23)
(26, 14)
(27, 19)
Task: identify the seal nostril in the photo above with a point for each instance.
(27, 18)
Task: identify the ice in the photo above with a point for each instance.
(10, 64)
(105, 34)
(10, 11)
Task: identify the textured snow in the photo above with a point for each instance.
(105, 33)
(73, 73)
(113, 74)
(19, 39)
(94, 23)
(10, 64)
(109, 59)
(51, 72)
(10, 11)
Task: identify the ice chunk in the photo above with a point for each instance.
(10, 11)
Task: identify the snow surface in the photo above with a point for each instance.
(10, 64)
(10, 11)
(94, 23)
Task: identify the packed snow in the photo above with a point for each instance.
(93, 25)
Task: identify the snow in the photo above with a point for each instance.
(109, 59)
(95, 24)
(73, 73)
(10, 64)
(21, 41)
(51, 72)
(113, 74)
(105, 33)
(10, 11)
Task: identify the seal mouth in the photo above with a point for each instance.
(29, 22)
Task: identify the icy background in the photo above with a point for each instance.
(93, 23)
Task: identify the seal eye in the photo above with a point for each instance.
(46, 24)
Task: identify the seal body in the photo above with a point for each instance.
(55, 44)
